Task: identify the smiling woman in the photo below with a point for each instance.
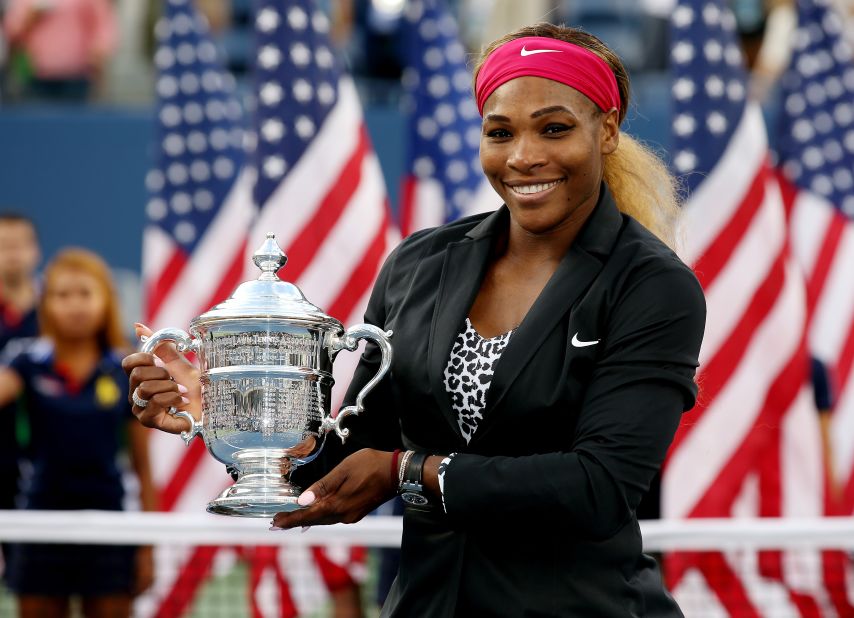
(640, 183)
(537, 155)
(544, 354)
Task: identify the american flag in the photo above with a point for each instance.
(318, 186)
(751, 446)
(816, 150)
(444, 179)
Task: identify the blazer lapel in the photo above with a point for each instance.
(463, 270)
(576, 271)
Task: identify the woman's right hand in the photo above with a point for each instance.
(165, 379)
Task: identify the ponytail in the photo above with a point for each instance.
(643, 188)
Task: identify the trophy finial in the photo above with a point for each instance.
(269, 258)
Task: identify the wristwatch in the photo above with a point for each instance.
(411, 486)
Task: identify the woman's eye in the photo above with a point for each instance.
(554, 129)
(498, 133)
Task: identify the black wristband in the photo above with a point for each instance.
(412, 487)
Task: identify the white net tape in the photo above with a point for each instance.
(114, 528)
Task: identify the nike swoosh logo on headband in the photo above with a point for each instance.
(525, 52)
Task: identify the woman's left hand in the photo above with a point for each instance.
(354, 488)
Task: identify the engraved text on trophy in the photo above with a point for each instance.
(263, 348)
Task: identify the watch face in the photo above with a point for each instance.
(413, 498)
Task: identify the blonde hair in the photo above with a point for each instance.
(640, 182)
(110, 336)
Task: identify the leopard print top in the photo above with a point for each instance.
(468, 375)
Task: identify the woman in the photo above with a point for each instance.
(544, 355)
(76, 399)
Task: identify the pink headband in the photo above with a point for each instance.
(553, 59)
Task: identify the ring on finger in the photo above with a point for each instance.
(138, 401)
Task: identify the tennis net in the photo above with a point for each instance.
(210, 566)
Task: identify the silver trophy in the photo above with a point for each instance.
(265, 356)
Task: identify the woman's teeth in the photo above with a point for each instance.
(531, 189)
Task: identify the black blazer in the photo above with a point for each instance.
(541, 503)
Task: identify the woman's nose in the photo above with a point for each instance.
(525, 155)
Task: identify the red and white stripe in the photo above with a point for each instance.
(823, 242)
(751, 446)
(180, 286)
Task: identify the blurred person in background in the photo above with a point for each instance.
(217, 12)
(506, 15)
(76, 399)
(341, 16)
(59, 48)
(4, 54)
(846, 9)
(375, 43)
(769, 47)
(19, 257)
(769, 55)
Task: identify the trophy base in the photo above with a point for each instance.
(262, 489)
(250, 502)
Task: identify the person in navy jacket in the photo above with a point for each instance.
(544, 355)
(19, 258)
(75, 394)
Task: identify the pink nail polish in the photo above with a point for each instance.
(306, 498)
(183, 389)
(185, 401)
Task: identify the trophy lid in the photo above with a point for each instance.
(269, 296)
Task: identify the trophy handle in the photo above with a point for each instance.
(185, 343)
(349, 341)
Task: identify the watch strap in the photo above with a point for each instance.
(412, 486)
